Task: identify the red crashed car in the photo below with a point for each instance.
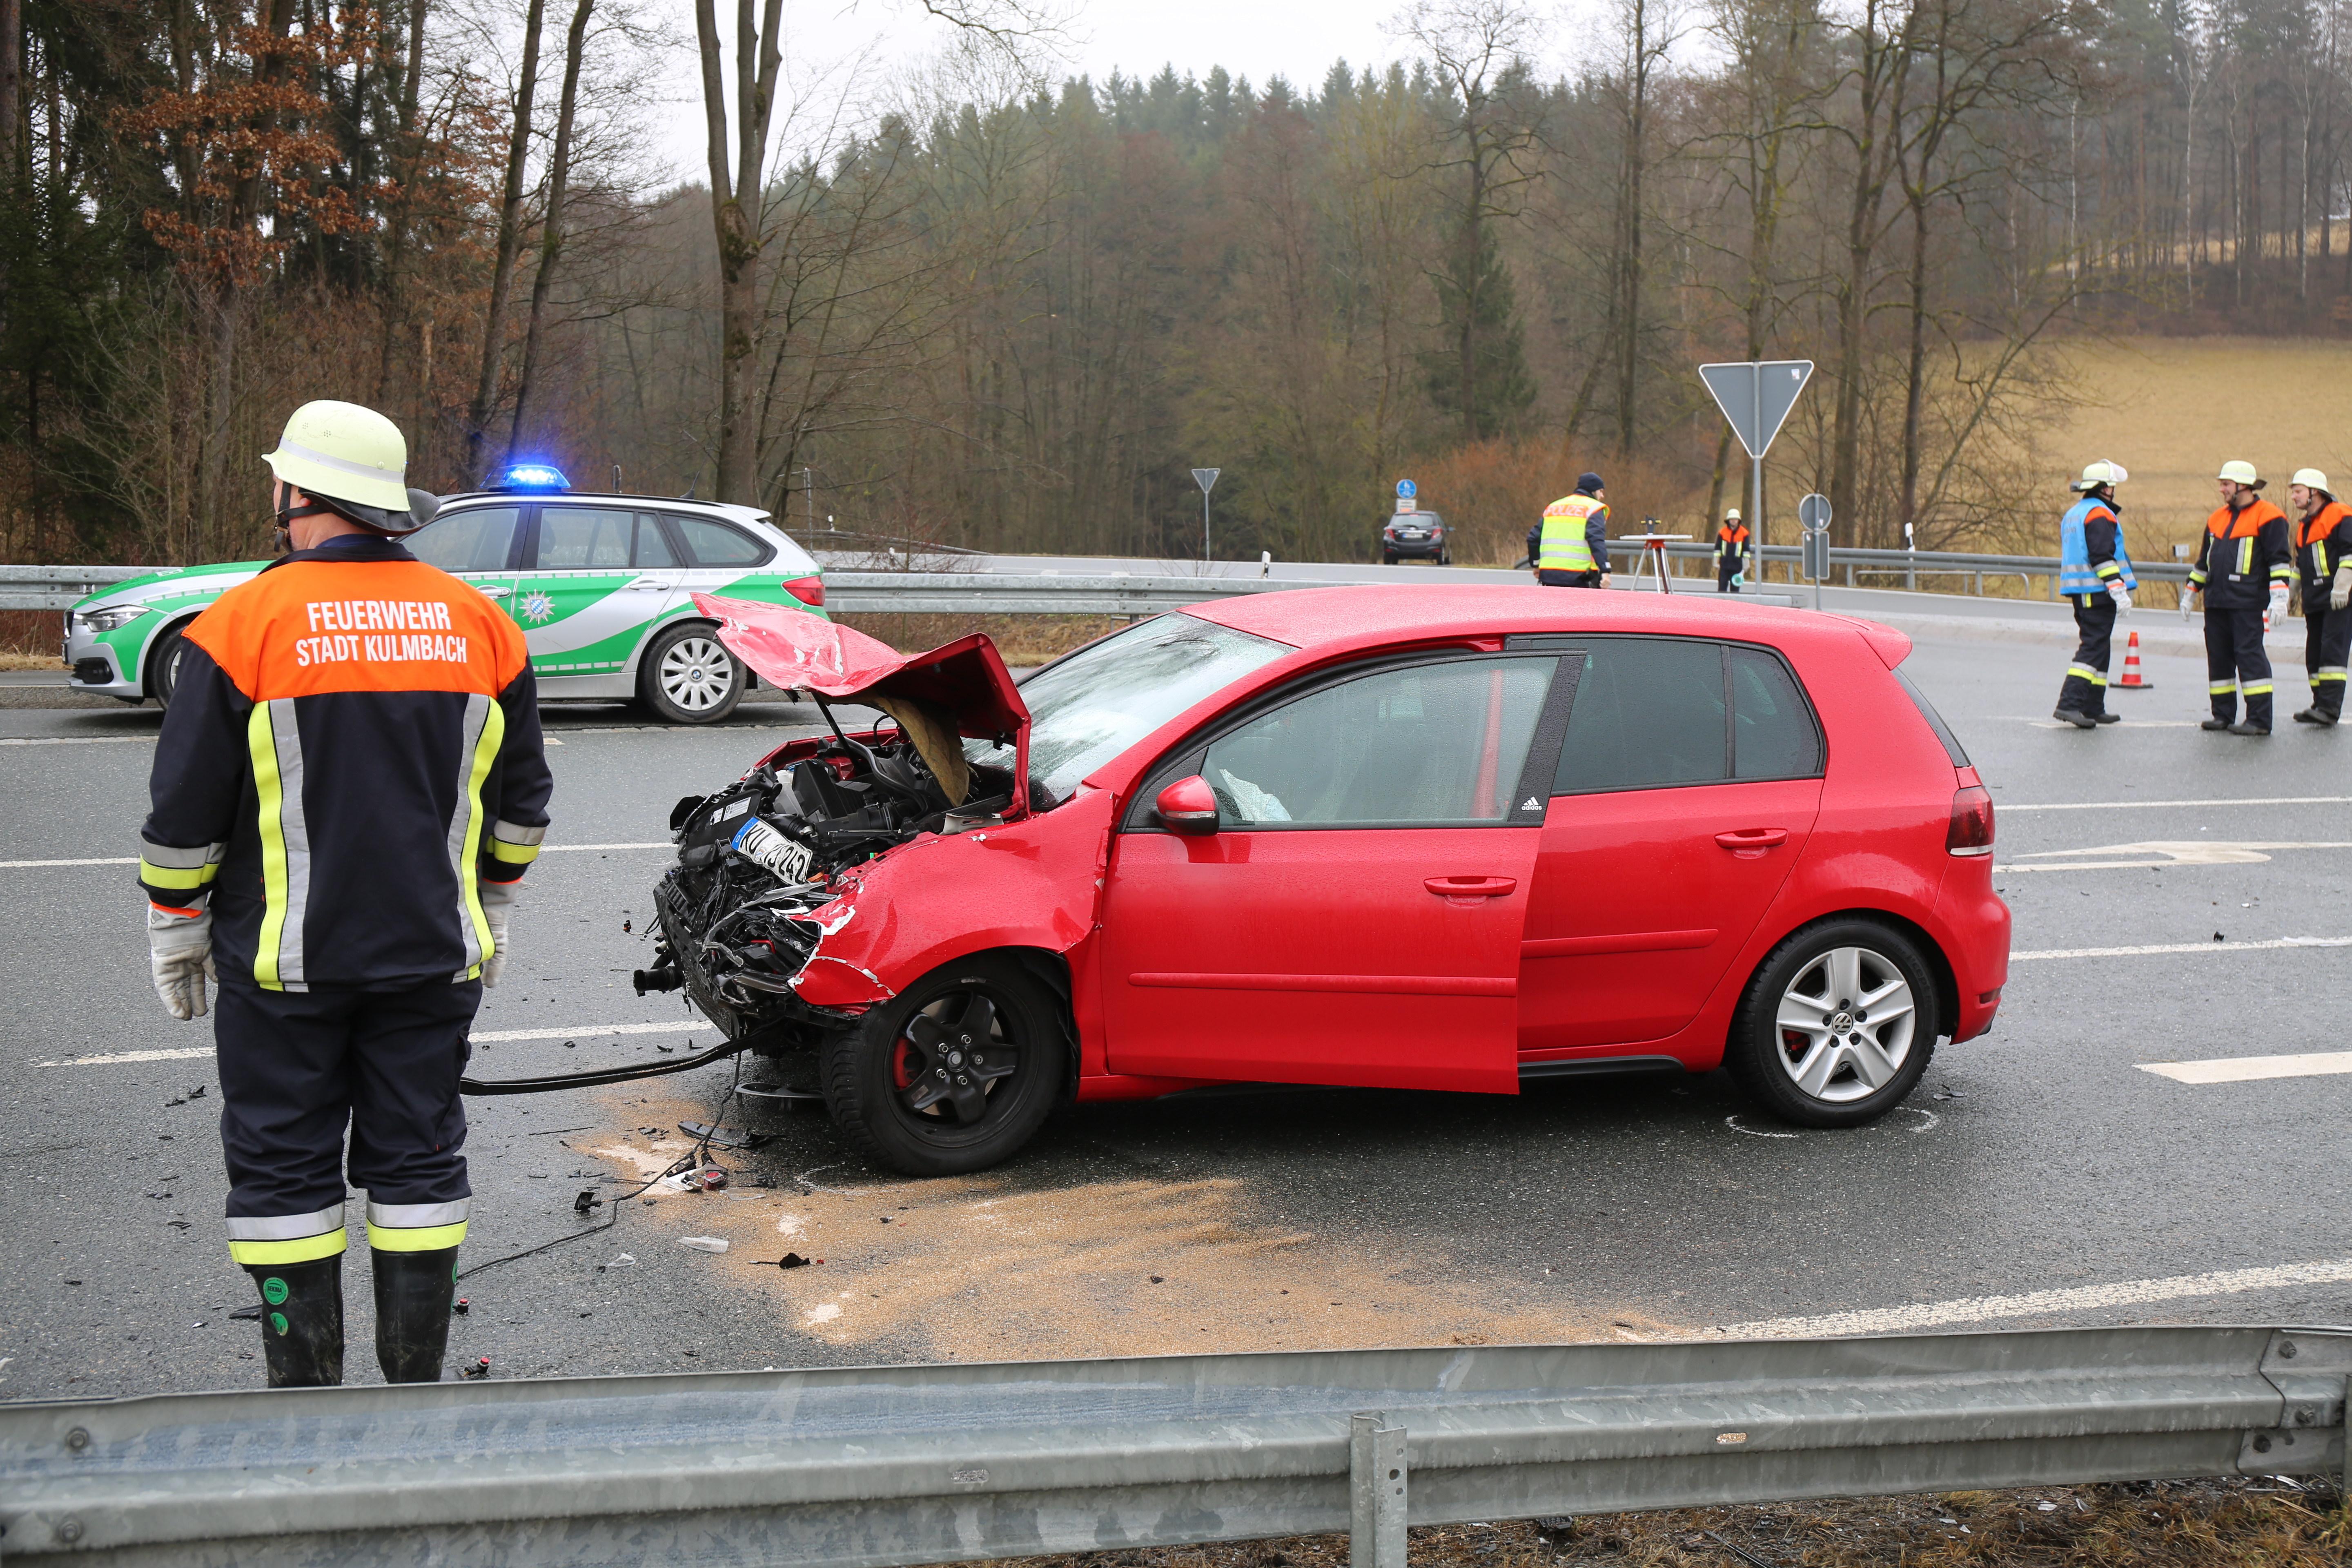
(1419, 837)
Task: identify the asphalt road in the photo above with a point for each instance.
(2041, 1159)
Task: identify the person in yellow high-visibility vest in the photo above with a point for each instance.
(1570, 547)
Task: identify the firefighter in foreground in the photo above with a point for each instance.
(2094, 573)
(1570, 544)
(2323, 558)
(348, 788)
(2244, 564)
(1730, 553)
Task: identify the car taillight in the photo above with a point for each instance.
(1971, 829)
(807, 590)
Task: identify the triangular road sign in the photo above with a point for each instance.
(1755, 397)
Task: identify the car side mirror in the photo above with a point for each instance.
(1187, 806)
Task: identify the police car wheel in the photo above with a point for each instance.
(164, 667)
(1837, 1025)
(689, 676)
(955, 1074)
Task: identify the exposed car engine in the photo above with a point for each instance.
(756, 858)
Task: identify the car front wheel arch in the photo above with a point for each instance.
(960, 1070)
(159, 677)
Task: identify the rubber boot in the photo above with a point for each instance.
(412, 1312)
(301, 1322)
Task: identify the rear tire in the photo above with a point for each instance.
(164, 667)
(1837, 1025)
(688, 676)
(903, 1088)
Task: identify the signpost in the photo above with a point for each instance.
(1755, 397)
(1813, 512)
(1408, 497)
(1207, 480)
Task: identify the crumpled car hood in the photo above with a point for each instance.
(964, 680)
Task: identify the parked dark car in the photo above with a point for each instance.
(1415, 535)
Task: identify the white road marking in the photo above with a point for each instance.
(74, 739)
(2120, 724)
(2174, 852)
(2038, 1303)
(2245, 1069)
(481, 1036)
(2155, 949)
(582, 1033)
(113, 1056)
(133, 859)
(2139, 805)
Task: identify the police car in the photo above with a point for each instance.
(602, 585)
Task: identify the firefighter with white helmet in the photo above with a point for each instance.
(2245, 562)
(2322, 559)
(349, 785)
(2094, 573)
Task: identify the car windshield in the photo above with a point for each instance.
(1093, 705)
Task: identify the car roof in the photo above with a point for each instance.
(1342, 618)
(726, 510)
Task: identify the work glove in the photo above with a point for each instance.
(180, 957)
(2189, 604)
(2339, 596)
(1604, 579)
(497, 903)
(2122, 596)
(2276, 614)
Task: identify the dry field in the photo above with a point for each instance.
(2173, 410)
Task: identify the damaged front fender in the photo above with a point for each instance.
(1033, 883)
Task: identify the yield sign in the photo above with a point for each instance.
(1205, 478)
(1755, 397)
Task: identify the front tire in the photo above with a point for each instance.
(164, 667)
(1838, 1025)
(955, 1074)
(688, 676)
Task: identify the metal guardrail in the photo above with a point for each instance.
(1006, 592)
(859, 1469)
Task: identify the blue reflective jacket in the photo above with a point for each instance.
(2075, 572)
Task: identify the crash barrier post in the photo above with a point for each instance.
(834, 1468)
(1021, 593)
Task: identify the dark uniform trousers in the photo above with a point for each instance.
(2086, 690)
(1727, 567)
(2326, 648)
(296, 1066)
(1569, 579)
(2236, 663)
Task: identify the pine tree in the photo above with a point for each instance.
(1477, 303)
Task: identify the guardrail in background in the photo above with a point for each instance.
(857, 1468)
(1014, 593)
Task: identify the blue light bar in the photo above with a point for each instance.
(532, 477)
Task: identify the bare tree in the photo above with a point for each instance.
(508, 245)
(551, 232)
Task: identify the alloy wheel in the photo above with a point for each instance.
(695, 673)
(1846, 1025)
(954, 1060)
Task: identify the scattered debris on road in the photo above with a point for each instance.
(723, 1137)
(704, 1243)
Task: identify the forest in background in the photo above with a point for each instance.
(967, 301)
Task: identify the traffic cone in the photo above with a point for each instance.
(2132, 680)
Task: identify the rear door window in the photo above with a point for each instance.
(580, 538)
(653, 552)
(475, 540)
(1649, 713)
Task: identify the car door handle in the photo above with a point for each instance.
(493, 590)
(1753, 838)
(650, 584)
(1469, 887)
